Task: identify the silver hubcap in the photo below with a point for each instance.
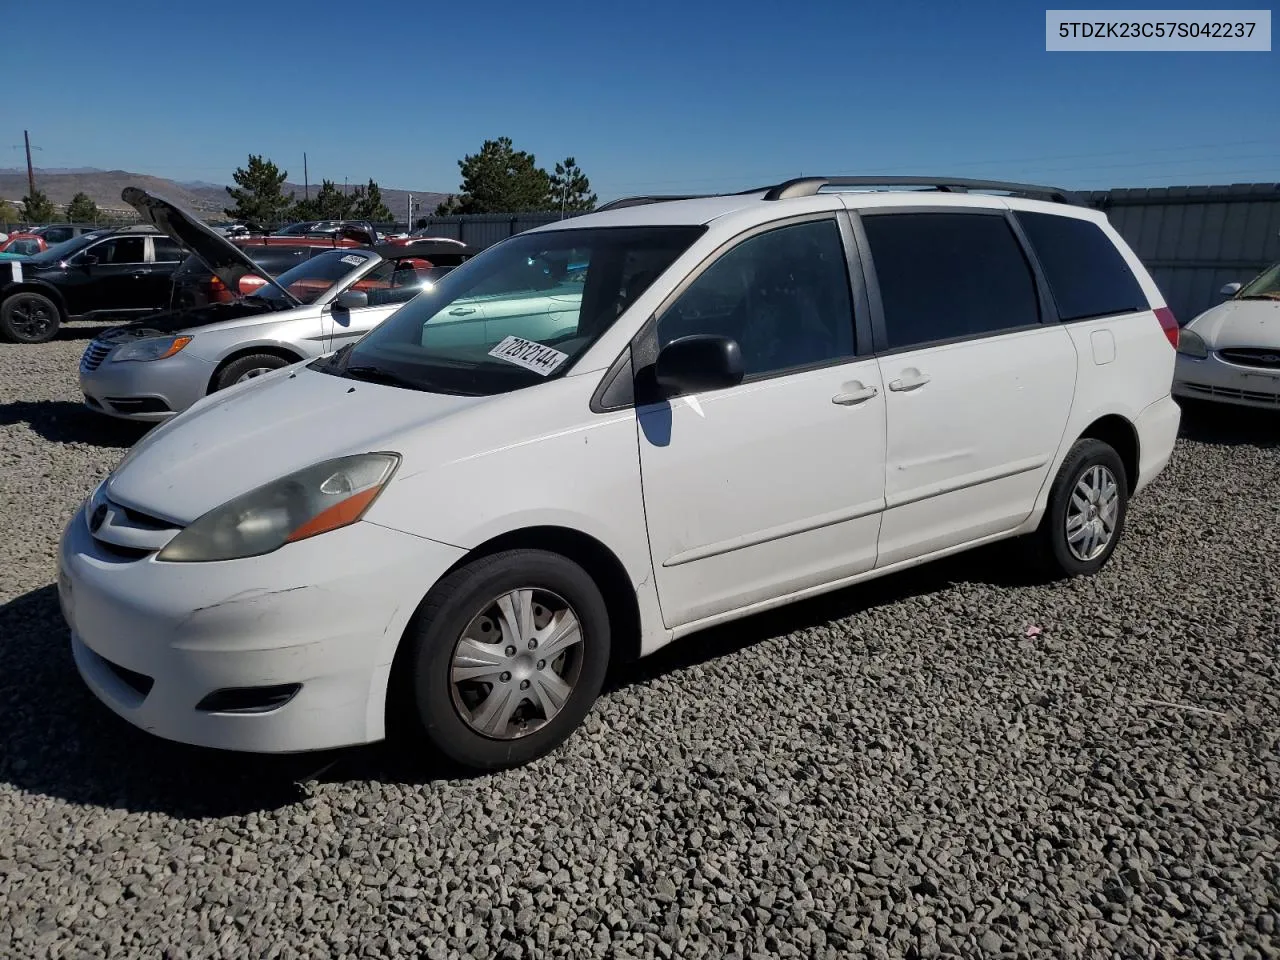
(516, 664)
(1092, 513)
(255, 372)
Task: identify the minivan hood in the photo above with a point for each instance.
(236, 440)
(227, 261)
(1240, 323)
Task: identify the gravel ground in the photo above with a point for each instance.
(902, 769)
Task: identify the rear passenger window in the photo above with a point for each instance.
(1086, 273)
(949, 275)
(167, 250)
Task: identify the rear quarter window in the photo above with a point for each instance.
(1087, 275)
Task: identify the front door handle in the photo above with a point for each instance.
(461, 311)
(911, 379)
(856, 393)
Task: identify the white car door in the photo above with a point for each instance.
(978, 389)
(775, 485)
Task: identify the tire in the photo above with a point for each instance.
(1090, 464)
(29, 317)
(448, 711)
(253, 365)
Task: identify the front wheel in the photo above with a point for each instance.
(507, 654)
(29, 318)
(247, 368)
(1085, 515)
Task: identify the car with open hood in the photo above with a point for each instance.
(156, 367)
(606, 433)
(1231, 352)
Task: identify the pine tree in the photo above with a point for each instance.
(500, 179)
(367, 204)
(259, 198)
(82, 209)
(570, 188)
(37, 208)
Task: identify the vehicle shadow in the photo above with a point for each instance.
(61, 742)
(1224, 425)
(64, 421)
(82, 331)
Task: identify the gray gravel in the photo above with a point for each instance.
(902, 769)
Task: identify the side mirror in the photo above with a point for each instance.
(89, 259)
(697, 363)
(351, 300)
(1231, 289)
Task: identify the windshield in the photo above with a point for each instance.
(65, 249)
(1266, 286)
(517, 313)
(311, 279)
(295, 228)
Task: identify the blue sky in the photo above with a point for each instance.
(655, 96)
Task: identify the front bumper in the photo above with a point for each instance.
(150, 391)
(152, 640)
(1216, 380)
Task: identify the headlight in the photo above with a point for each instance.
(315, 500)
(1191, 344)
(151, 348)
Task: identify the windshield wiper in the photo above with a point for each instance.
(1260, 296)
(374, 374)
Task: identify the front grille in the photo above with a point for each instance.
(94, 355)
(1255, 396)
(139, 683)
(1266, 359)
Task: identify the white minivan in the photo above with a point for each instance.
(755, 398)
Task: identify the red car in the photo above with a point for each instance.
(25, 244)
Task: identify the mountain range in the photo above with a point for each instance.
(207, 199)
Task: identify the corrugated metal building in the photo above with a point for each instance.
(1195, 239)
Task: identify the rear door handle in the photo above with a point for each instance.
(911, 379)
(856, 393)
(461, 311)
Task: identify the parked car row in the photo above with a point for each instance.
(590, 440)
(158, 366)
(130, 272)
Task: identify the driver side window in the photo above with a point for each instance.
(120, 250)
(783, 295)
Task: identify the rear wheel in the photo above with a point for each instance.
(29, 318)
(1085, 515)
(247, 368)
(507, 654)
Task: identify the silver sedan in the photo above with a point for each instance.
(155, 368)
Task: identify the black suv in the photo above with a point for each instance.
(106, 274)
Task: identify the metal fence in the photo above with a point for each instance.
(1195, 239)
(486, 229)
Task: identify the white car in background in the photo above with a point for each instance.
(1231, 352)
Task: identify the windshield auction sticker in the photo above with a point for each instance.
(354, 260)
(532, 356)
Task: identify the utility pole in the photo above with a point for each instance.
(408, 213)
(31, 173)
(306, 182)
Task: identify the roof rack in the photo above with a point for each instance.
(639, 201)
(809, 186)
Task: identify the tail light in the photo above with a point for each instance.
(218, 292)
(1169, 324)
